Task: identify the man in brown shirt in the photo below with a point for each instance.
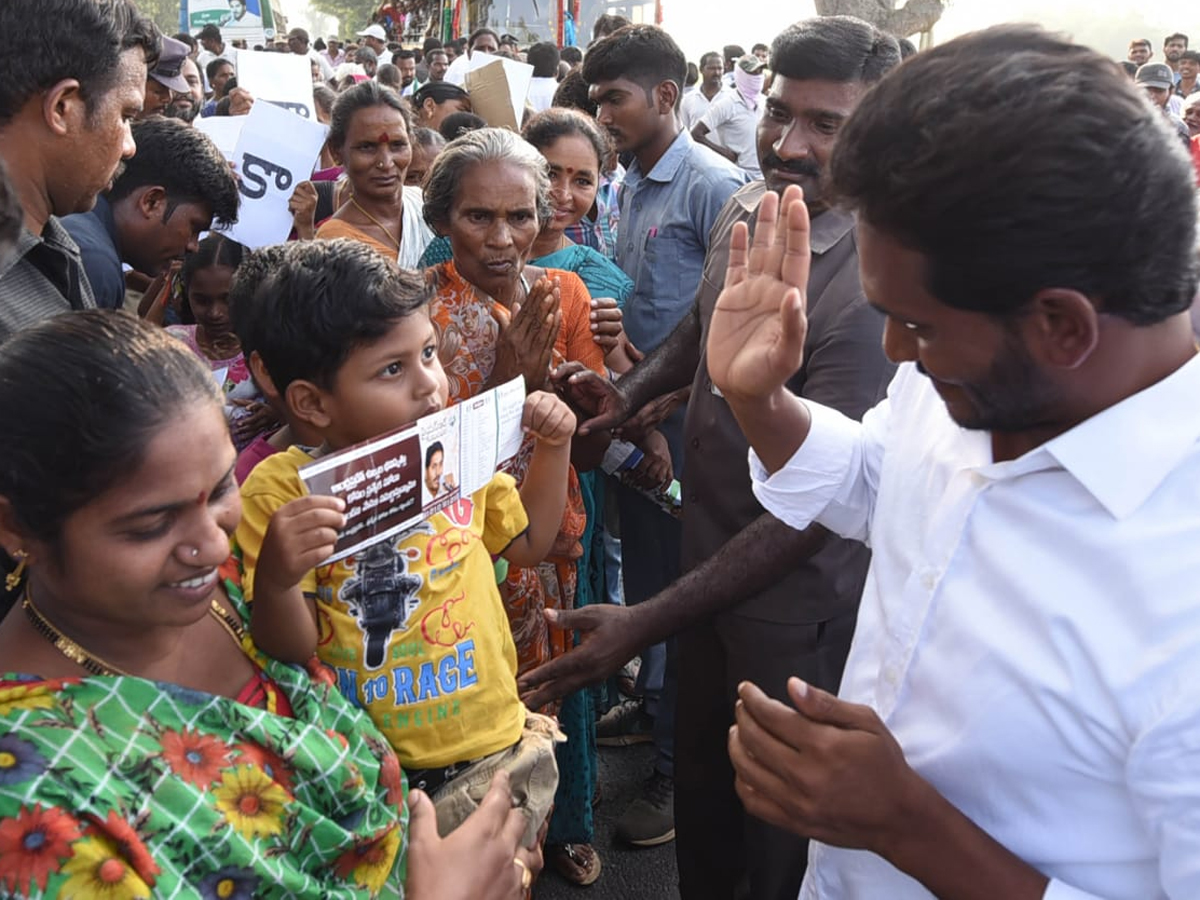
(760, 601)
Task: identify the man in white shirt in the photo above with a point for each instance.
(696, 104)
(333, 53)
(544, 58)
(374, 37)
(297, 41)
(482, 40)
(214, 47)
(1020, 712)
(729, 126)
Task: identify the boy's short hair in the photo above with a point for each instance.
(245, 313)
(324, 299)
(644, 54)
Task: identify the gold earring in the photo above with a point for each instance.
(13, 579)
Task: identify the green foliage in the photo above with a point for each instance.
(165, 13)
(351, 14)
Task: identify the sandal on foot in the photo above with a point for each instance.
(577, 863)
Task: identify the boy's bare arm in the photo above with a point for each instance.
(302, 533)
(544, 491)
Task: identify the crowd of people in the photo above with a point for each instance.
(859, 396)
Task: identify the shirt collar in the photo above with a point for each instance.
(827, 228)
(53, 234)
(1123, 454)
(668, 164)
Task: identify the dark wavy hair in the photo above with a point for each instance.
(1053, 171)
(107, 380)
(43, 42)
(834, 48)
(546, 127)
(322, 300)
(364, 95)
(645, 54)
(186, 163)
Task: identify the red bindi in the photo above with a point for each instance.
(202, 499)
(384, 138)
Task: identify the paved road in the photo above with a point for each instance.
(627, 874)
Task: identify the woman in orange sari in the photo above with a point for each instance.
(488, 192)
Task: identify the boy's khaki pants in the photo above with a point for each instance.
(532, 772)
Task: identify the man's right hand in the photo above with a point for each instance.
(756, 339)
(609, 638)
(594, 395)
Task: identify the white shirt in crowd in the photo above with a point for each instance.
(734, 125)
(693, 106)
(415, 233)
(541, 93)
(1029, 630)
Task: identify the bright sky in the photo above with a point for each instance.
(1108, 25)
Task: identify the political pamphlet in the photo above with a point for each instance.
(399, 479)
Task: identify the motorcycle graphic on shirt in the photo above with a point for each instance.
(382, 595)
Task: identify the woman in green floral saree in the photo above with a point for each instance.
(146, 748)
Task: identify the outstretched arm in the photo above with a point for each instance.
(753, 560)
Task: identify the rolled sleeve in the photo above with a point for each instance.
(800, 491)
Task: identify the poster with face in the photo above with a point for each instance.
(243, 20)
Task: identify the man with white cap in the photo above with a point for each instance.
(166, 78)
(730, 124)
(375, 37)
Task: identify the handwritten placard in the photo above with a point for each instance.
(399, 479)
(276, 150)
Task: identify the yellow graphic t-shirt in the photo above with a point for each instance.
(414, 625)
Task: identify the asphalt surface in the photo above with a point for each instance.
(626, 873)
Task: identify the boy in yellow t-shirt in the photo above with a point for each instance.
(414, 625)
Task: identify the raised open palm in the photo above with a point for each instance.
(756, 340)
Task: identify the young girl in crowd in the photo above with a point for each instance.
(207, 277)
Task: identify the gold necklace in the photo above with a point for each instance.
(90, 661)
(381, 226)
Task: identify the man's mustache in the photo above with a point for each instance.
(795, 167)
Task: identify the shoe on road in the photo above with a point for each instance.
(625, 724)
(650, 819)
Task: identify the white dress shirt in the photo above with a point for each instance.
(1029, 630)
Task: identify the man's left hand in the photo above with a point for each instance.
(825, 769)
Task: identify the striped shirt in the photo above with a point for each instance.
(43, 278)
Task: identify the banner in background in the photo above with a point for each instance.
(247, 20)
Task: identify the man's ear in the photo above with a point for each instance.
(665, 95)
(308, 403)
(151, 202)
(1061, 328)
(63, 107)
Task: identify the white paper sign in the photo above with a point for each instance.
(519, 74)
(224, 131)
(275, 152)
(284, 79)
